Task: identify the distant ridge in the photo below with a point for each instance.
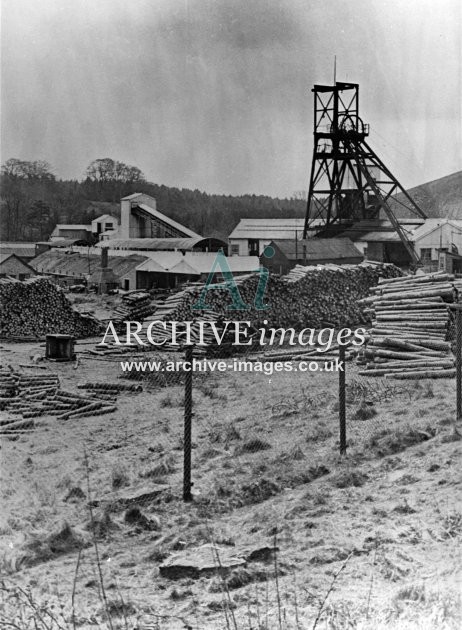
(439, 198)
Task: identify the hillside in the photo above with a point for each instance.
(31, 206)
(439, 198)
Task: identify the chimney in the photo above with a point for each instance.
(104, 257)
(104, 277)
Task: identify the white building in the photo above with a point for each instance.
(435, 236)
(105, 226)
(430, 238)
(251, 236)
(71, 232)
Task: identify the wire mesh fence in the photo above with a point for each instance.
(248, 409)
(125, 443)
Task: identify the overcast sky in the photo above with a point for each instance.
(215, 94)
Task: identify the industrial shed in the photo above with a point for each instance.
(430, 237)
(72, 267)
(24, 251)
(11, 265)
(251, 236)
(313, 251)
(163, 269)
(169, 269)
(185, 244)
(64, 231)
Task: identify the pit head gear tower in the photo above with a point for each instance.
(349, 182)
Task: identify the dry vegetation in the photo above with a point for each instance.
(370, 540)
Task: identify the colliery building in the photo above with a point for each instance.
(12, 266)
(437, 241)
(147, 250)
(281, 256)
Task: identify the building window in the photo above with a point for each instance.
(426, 254)
(235, 249)
(109, 226)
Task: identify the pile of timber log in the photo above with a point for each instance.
(36, 307)
(109, 389)
(312, 296)
(27, 397)
(411, 327)
(168, 311)
(198, 333)
(330, 294)
(299, 353)
(135, 307)
(169, 308)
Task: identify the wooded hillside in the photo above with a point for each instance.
(34, 201)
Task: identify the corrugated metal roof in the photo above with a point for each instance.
(183, 268)
(104, 216)
(379, 237)
(168, 220)
(76, 264)
(122, 266)
(414, 233)
(268, 229)
(14, 244)
(63, 242)
(4, 257)
(72, 226)
(152, 244)
(432, 224)
(151, 266)
(200, 262)
(319, 249)
(132, 196)
(23, 250)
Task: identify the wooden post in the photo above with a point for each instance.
(187, 484)
(458, 309)
(459, 364)
(342, 400)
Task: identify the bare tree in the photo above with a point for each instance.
(23, 182)
(108, 170)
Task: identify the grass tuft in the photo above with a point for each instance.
(253, 446)
(349, 478)
(386, 442)
(364, 412)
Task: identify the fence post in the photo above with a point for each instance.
(187, 496)
(459, 364)
(342, 399)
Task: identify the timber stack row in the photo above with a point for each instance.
(411, 327)
(312, 296)
(36, 307)
(26, 397)
(135, 307)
